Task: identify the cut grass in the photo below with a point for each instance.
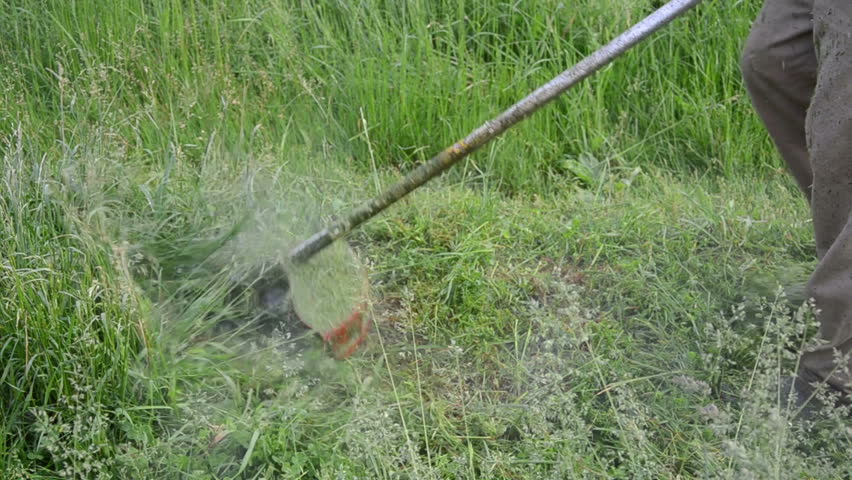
(548, 310)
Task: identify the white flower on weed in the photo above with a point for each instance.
(455, 350)
(709, 412)
(692, 385)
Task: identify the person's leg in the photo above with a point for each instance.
(829, 134)
(779, 69)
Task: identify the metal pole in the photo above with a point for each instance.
(493, 128)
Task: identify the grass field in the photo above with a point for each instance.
(597, 294)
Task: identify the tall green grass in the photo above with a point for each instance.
(409, 76)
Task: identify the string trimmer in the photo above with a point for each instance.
(346, 332)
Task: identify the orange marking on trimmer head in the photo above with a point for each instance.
(348, 335)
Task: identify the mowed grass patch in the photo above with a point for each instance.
(515, 335)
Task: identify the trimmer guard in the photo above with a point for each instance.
(330, 294)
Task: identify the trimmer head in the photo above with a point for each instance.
(328, 295)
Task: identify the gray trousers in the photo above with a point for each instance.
(797, 66)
